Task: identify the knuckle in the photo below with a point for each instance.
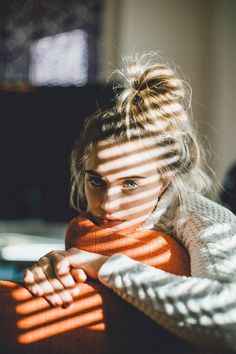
(38, 274)
(34, 268)
(26, 272)
(29, 269)
(25, 277)
(58, 267)
(43, 261)
(50, 253)
(54, 253)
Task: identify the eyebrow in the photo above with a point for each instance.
(92, 172)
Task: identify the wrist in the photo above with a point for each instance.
(95, 264)
(88, 261)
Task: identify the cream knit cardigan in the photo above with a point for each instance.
(200, 308)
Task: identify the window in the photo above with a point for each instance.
(60, 60)
(49, 42)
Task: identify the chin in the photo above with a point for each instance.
(126, 230)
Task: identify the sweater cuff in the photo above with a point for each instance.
(115, 264)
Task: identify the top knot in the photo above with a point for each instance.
(157, 78)
(151, 92)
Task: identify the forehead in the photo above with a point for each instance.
(127, 158)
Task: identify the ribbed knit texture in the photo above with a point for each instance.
(202, 308)
(151, 247)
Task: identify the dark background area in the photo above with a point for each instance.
(22, 22)
(37, 131)
(38, 125)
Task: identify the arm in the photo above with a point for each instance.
(202, 308)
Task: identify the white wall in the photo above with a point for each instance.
(197, 35)
(222, 83)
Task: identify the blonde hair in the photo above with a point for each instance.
(151, 101)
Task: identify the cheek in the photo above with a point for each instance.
(89, 195)
(154, 189)
(93, 197)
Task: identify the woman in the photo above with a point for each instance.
(138, 165)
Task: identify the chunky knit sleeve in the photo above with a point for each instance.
(201, 308)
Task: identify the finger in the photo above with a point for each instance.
(62, 269)
(30, 283)
(60, 263)
(48, 290)
(64, 294)
(79, 275)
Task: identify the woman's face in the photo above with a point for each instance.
(122, 184)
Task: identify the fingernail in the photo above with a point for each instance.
(67, 304)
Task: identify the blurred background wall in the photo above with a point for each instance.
(197, 35)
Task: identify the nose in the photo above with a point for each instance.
(111, 200)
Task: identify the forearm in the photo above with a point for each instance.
(200, 310)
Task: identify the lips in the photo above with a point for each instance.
(109, 221)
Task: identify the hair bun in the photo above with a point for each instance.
(152, 89)
(157, 79)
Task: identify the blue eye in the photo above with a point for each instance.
(96, 182)
(130, 185)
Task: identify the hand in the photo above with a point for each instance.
(54, 275)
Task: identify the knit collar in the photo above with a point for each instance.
(161, 209)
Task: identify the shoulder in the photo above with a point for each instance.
(206, 220)
(208, 231)
(73, 224)
(71, 233)
(207, 209)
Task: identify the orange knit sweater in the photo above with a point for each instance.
(148, 246)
